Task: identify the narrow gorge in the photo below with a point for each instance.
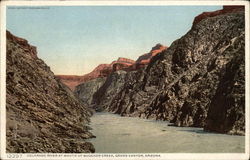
(188, 97)
(199, 81)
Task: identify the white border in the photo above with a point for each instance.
(247, 70)
(3, 81)
(217, 156)
(121, 3)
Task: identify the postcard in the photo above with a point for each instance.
(147, 80)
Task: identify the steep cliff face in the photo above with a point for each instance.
(43, 115)
(102, 98)
(197, 81)
(85, 91)
(227, 109)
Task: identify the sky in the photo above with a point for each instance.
(73, 40)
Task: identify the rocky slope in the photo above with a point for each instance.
(43, 115)
(198, 81)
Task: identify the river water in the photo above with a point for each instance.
(116, 134)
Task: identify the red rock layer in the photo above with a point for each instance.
(103, 70)
(121, 64)
(23, 44)
(70, 80)
(145, 58)
(226, 9)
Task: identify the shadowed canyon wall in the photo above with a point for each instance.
(198, 81)
(43, 115)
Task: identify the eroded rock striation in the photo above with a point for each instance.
(198, 81)
(43, 115)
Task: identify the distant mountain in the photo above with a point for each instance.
(145, 58)
(103, 70)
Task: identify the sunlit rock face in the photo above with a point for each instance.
(145, 58)
(103, 70)
(42, 114)
(72, 81)
(225, 10)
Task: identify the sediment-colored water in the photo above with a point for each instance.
(116, 134)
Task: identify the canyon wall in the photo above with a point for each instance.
(85, 91)
(198, 81)
(102, 98)
(42, 114)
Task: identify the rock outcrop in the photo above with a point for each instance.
(145, 59)
(122, 64)
(226, 9)
(85, 91)
(23, 43)
(42, 114)
(102, 98)
(198, 81)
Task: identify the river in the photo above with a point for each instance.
(116, 134)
